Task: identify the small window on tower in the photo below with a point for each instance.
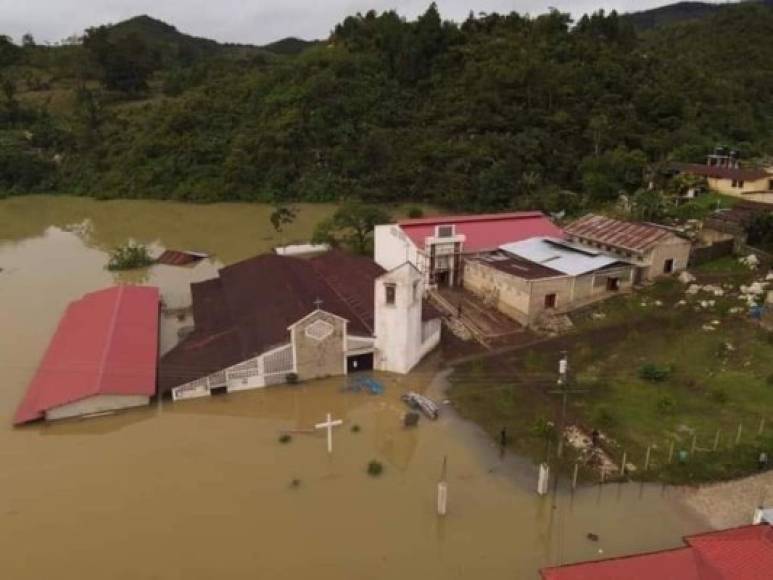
(445, 231)
(415, 290)
(390, 293)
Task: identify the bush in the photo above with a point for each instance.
(653, 373)
(666, 404)
(285, 438)
(129, 257)
(291, 378)
(355, 428)
(543, 428)
(375, 468)
(415, 212)
(719, 395)
(603, 417)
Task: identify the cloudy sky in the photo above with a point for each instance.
(255, 21)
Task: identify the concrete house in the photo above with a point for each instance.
(725, 174)
(102, 357)
(272, 319)
(655, 250)
(528, 278)
(437, 245)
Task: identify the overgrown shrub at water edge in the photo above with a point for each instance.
(130, 256)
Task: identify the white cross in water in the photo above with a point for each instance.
(329, 424)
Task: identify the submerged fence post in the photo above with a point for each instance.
(739, 433)
(692, 445)
(442, 490)
(543, 478)
(761, 430)
(671, 451)
(574, 475)
(716, 439)
(622, 463)
(647, 458)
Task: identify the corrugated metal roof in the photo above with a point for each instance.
(636, 237)
(744, 553)
(485, 231)
(737, 173)
(560, 255)
(106, 343)
(249, 307)
(516, 266)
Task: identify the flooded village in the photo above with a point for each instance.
(424, 292)
(182, 480)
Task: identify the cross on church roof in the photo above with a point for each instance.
(318, 303)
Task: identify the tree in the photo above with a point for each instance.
(126, 63)
(27, 40)
(281, 216)
(351, 225)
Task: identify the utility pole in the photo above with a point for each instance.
(564, 390)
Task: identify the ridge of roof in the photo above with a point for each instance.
(443, 219)
(634, 236)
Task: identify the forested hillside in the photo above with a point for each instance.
(500, 111)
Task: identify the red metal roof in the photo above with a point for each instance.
(637, 237)
(744, 553)
(106, 343)
(484, 231)
(178, 258)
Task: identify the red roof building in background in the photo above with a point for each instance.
(744, 553)
(435, 245)
(101, 358)
(484, 232)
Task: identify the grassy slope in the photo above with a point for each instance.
(710, 387)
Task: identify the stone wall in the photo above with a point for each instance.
(320, 345)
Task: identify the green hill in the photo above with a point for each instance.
(679, 12)
(500, 111)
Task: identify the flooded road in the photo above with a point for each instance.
(202, 489)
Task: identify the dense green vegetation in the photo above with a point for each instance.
(500, 111)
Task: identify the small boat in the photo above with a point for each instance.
(422, 403)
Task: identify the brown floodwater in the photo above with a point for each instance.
(202, 489)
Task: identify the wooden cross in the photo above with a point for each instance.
(329, 424)
(318, 303)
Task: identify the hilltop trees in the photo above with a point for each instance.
(125, 63)
(501, 111)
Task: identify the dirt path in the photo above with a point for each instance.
(730, 503)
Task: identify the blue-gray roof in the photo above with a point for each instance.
(566, 257)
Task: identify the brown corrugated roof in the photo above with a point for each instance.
(636, 237)
(517, 266)
(248, 308)
(737, 173)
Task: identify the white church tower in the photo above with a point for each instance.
(402, 338)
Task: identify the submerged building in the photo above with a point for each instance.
(102, 357)
(274, 319)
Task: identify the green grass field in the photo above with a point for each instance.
(711, 381)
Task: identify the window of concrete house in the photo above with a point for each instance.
(740, 183)
(668, 266)
(613, 284)
(391, 292)
(445, 231)
(770, 184)
(550, 300)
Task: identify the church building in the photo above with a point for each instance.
(276, 319)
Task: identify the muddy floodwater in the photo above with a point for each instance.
(203, 489)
